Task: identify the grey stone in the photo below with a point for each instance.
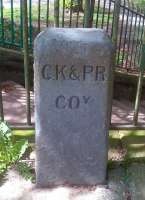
(73, 79)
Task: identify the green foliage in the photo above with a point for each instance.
(10, 151)
(67, 4)
(139, 4)
(26, 171)
(71, 4)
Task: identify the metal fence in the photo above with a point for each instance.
(70, 13)
(22, 20)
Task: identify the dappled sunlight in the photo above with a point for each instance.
(14, 99)
(123, 112)
(126, 145)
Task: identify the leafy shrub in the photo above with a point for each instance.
(75, 4)
(26, 171)
(10, 151)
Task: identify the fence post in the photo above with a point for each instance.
(56, 13)
(91, 12)
(139, 87)
(116, 23)
(47, 14)
(1, 106)
(114, 40)
(39, 15)
(26, 58)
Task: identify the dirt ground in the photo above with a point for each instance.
(123, 184)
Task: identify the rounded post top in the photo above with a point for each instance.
(87, 35)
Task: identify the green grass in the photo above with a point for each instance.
(132, 142)
(23, 133)
(7, 13)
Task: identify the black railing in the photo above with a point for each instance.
(65, 13)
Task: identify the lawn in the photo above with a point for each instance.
(123, 145)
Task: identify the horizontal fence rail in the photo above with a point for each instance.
(20, 23)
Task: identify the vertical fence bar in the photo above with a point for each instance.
(2, 21)
(120, 39)
(47, 14)
(103, 14)
(12, 23)
(87, 14)
(116, 23)
(63, 13)
(133, 38)
(108, 18)
(114, 40)
(26, 59)
(1, 106)
(91, 12)
(112, 22)
(129, 40)
(78, 11)
(124, 43)
(71, 9)
(137, 41)
(141, 40)
(139, 86)
(56, 13)
(98, 10)
(30, 23)
(39, 14)
(21, 25)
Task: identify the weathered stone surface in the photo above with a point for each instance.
(73, 78)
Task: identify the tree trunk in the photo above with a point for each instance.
(89, 12)
(81, 6)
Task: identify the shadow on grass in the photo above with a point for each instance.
(132, 143)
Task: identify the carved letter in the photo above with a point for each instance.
(60, 102)
(100, 70)
(60, 72)
(74, 102)
(86, 99)
(46, 72)
(87, 70)
(73, 73)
